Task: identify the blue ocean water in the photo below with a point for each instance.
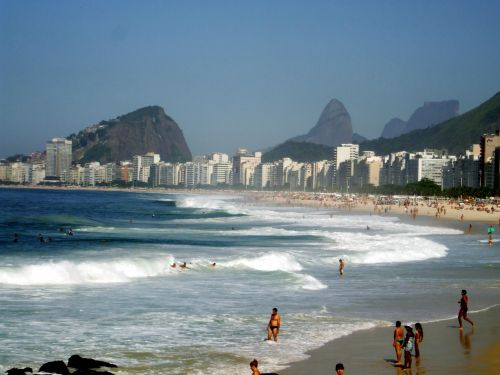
(108, 291)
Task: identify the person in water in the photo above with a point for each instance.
(462, 313)
(339, 369)
(398, 341)
(341, 267)
(173, 265)
(408, 345)
(254, 367)
(183, 265)
(419, 337)
(273, 327)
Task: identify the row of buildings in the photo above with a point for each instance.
(477, 167)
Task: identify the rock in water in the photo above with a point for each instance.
(55, 367)
(18, 371)
(78, 362)
(333, 127)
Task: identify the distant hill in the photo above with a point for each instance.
(333, 127)
(430, 114)
(455, 135)
(299, 151)
(145, 130)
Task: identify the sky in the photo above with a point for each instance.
(237, 73)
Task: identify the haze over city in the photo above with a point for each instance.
(237, 74)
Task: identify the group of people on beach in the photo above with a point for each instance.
(413, 338)
(407, 342)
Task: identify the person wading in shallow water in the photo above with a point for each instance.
(462, 313)
(273, 327)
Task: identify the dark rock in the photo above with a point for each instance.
(18, 371)
(333, 127)
(55, 367)
(91, 372)
(78, 362)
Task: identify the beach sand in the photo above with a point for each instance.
(444, 350)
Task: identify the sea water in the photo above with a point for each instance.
(109, 292)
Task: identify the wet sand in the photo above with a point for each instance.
(444, 350)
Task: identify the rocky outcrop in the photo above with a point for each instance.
(77, 365)
(146, 130)
(430, 114)
(75, 361)
(333, 127)
(55, 367)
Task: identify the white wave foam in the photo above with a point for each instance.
(69, 272)
(365, 249)
(268, 262)
(208, 202)
(309, 282)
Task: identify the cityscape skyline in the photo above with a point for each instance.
(477, 167)
(252, 72)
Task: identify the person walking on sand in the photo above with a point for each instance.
(339, 369)
(254, 367)
(273, 327)
(341, 267)
(419, 337)
(398, 342)
(462, 313)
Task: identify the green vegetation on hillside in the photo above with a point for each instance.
(456, 135)
(299, 151)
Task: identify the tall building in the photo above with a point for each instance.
(59, 157)
(342, 153)
(486, 160)
(244, 163)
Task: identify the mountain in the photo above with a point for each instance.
(357, 138)
(456, 135)
(147, 129)
(333, 127)
(430, 114)
(299, 151)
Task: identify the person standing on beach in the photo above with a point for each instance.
(462, 313)
(273, 327)
(419, 337)
(398, 341)
(408, 345)
(341, 267)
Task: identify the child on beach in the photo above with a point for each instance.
(408, 346)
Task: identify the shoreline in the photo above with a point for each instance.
(444, 350)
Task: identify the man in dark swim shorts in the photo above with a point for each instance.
(273, 327)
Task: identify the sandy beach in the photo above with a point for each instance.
(445, 350)
(442, 210)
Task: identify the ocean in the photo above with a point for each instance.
(108, 291)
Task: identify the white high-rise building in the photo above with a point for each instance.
(59, 157)
(342, 153)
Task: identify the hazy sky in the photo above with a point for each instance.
(237, 73)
